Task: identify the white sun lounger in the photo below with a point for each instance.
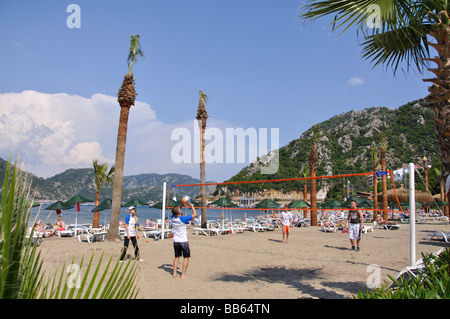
(157, 233)
(365, 229)
(90, 238)
(387, 226)
(330, 227)
(65, 233)
(208, 231)
(438, 235)
(256, 227)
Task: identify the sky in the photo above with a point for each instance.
(263, 68)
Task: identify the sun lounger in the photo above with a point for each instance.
(65, 233)
(256, 227)
(235, 229)
(90, 238)
(438, 235)
(420, 220)
(208, 231)
(156, 234)
(387, 226)
(365, 229)
(328, 226)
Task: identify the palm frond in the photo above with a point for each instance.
(391, 48)
(135, 51)
(21, 275)
(349, 13)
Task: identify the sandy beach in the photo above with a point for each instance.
(253, 265)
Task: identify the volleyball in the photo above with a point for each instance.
(185, 199)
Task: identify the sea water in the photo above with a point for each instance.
(85, 216)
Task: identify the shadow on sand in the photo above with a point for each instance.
(298, 279)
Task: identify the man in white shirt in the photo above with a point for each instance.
(180, 241)
(131, 234)
(286, 221)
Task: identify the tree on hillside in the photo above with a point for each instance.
(201, 117)
(126, 98)
(102, 177)
(396, 32)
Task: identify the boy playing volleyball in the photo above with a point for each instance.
(180, 241)
(286, 221)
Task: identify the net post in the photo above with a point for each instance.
(163, 213)
(412, 215)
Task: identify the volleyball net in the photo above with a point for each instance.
(179, 190)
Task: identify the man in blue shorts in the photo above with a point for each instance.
(180, 241)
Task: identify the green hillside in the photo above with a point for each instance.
(344, 148)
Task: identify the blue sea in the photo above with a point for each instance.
(85, 216)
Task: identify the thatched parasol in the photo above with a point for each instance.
(403, 195)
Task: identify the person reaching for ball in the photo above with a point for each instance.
(180, 241)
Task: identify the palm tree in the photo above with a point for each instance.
(402, 33)
(304, 174)
(201, 117)
(22, 275)
(312, 163)
(384, 200)
(374, 153)
(126, 98)
(102, 177)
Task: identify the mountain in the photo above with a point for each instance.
(344, 147)
(147, 187)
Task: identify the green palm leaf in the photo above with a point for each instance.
(21, 275)
(135, 51)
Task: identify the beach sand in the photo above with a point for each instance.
(253, 265)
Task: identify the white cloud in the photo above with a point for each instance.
(54, 132)
(355, 81)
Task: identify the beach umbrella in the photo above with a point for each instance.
(267, 203)
(171, 203)
(348, 202)
(77, 200)
(334, 203)
(135, 202)
(58, 206)
(366, 203)
(298, 204)
(223, 202)
(103, 205)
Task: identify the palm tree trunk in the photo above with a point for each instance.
(439, 97)
(313, 198)
(202, 172)
(118, 175)
(96, 219)
(375, 195)
(384, 187)
(305, 196)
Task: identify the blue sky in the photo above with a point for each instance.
(260, 65)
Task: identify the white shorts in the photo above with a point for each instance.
(354, 231)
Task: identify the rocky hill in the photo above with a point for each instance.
(344, 147)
